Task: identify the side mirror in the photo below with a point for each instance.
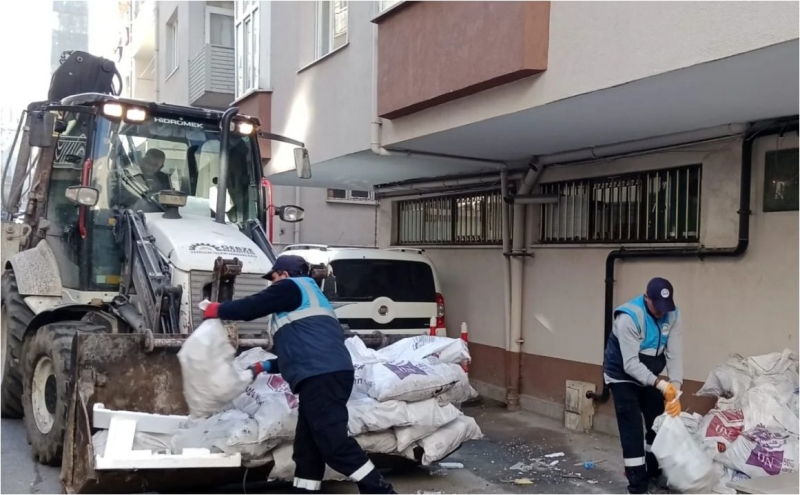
(40, 133)
(290, 213)
(82, 195)
(302, 163)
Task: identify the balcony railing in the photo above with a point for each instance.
(211, 77)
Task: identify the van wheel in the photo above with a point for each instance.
(46, 377)
(15, 316)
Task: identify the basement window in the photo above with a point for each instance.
(465, 219)
(655, 206)
(350, 195)
(780, 180)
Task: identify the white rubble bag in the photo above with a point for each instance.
(270, 401)
(407, 380)
(378, 442)
(445, 349)
(428, 421)
(725, 475)
(285, 466)
(445, 440)
(728, 382)
(210, 379)
(685, 464)
(719, 429)
(368, 415)
(229, 432)
(763, 452)
(770, 403)
(252, 356)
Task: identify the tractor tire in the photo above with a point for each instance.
(46, 376)
(16, 315)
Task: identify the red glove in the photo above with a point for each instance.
(211, 311)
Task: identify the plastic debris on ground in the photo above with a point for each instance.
(752, 431)
(403, 403)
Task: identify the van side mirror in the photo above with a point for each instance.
(82, 195)
(302, 162)
(40, 133)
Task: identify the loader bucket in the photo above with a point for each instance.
(116, 370)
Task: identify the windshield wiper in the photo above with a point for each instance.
(139, 189)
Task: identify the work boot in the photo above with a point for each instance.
(374, 483)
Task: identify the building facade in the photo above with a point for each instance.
(216, 54)
(619, 127)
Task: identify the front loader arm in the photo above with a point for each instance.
(146, 276)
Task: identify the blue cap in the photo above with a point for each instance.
(660, 292)
(295, 265)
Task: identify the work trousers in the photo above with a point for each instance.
(321, 437)
(631, 402)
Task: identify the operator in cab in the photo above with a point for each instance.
(314, 361)
(646, 341)
(152, 164)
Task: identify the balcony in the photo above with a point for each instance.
(211, 77)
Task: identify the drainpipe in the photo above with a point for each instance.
(297, 224)
(700, 253)
(506, 234)
(375, 125)
(517, 255)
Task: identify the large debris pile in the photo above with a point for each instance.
(403, 403)
(752, 431)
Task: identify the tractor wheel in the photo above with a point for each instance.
(15, 316)
(46, 376)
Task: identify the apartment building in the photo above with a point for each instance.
(631, 139)
(214, 54)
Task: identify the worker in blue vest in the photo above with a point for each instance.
(645, 342)
(314, 361)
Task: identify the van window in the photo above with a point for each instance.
(368, 279)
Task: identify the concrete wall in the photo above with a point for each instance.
(174, 86)
(746, 306)
(597, 45)
(326, 104)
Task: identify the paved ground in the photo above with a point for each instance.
(511, 438)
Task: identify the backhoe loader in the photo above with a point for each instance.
(137, 211)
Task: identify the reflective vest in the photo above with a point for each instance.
(309, 340)
(655, 335)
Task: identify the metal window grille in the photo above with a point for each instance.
(655, 206)
(465, 219)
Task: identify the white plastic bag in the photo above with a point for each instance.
(436, 418)
(368, 415)
(690, 420)
(284, 466)
(408, 380)
(685, 464)
(210, 379)
(229, 432)
(447, 439)
(417, 348)
(764, 452)
(719, 429)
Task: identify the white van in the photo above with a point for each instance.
(393, 291)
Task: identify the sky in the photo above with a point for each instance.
(25, 45)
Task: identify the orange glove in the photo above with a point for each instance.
(669, 390)
(673, 408)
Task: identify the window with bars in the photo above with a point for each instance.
(350, 195)
(465, 219)
(655, 206)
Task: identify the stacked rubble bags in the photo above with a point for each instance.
(403, 403)
(752, 431)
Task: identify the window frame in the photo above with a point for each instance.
(220, 11)
(248, 11)
(774, 207)
(454, 222)
(370, 200)
(173, 37)
(318, 52)
(643, 204)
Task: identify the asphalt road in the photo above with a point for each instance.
(20, 473)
